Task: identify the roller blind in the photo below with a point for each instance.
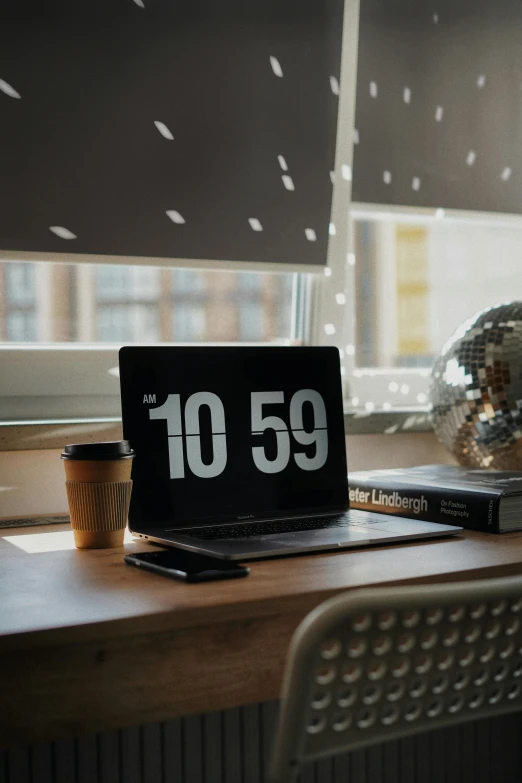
(439, 104)
(201, 130)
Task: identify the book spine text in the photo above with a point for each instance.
(431, 504)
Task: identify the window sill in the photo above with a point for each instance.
(31, 435)
(53, 434)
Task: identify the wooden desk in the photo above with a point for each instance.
(87, 643)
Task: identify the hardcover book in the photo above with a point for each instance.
(485, 500)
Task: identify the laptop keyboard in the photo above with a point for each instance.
(249, 529)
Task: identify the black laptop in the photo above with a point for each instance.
(240, 453)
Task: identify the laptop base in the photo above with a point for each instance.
(362, 529)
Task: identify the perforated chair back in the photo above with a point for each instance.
(378, 664)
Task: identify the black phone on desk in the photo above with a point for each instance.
(186, 566)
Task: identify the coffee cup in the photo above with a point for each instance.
(98, 483)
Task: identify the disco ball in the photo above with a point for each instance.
(476, 390)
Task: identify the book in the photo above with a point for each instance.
(485, 500)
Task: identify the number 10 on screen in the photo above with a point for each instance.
(172, 413)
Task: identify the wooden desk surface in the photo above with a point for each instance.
(86, 642)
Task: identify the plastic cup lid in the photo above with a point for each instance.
(112, 449)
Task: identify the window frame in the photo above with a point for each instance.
(377, 399)
(41, 382)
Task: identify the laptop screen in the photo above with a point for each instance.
(227, 434)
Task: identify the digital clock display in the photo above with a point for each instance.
(233, 433)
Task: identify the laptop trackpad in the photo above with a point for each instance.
(305, 538)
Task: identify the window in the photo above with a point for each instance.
(114, 304)
(127, 322)
(126, 304)
(113, 283)
(72, 318)
(20, 284)
(250, 309)
(67, 365)
(20, 303)
(418, 274)
(186, 281)
(389, 304)
(251, 320)
(20, 326)
(398, 280)
(189, 322)
(423, 136)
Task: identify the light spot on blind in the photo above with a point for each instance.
(8, 90)
(282, 163)
(175, 216)
(439, 114)
(387, 177)
(340, 299)
(416, 183)
(346, 172)
(329, 328)
(310, 234)
(406, 95)
(62, 232)
(276, 66)
(334, 84)
(332, 177)
(351, 259)
(355, 136)
(332, 229)
(435, 18)
(471, 157)
(255, 224)
(481, 81)
(165, 132)
(288, 182)
(327, 271)
(140, 3)
(506, 173)
(373, 89)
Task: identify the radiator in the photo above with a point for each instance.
(234, 747)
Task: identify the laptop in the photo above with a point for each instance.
(240, 453)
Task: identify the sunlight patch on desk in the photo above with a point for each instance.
(57, 541)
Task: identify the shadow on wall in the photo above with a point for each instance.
(369, 452)
(32, 482)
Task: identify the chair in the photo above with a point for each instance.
(378, 664)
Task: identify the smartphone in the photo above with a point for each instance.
(186, 566)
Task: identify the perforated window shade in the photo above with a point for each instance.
(438, 107)
(169, 130)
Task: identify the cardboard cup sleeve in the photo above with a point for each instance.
(98, 512)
